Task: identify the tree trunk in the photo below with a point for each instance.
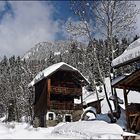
(113, 120)
(11, 111)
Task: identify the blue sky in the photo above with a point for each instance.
(62, 13)
(63, 9)
(6, 9)
(25, 23)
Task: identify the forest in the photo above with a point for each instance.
(16, 98)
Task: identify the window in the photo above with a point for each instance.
(51, 116)
(67, 117)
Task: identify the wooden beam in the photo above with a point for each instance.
(127, 91)
(48, 93)
(130, 82)
(125, 97)
(126, 110)
(81, 99)
(134, 77)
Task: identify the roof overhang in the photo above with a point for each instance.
(130, 82)
(127, 62)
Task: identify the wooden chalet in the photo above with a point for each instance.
(56, 87)
(130, 82)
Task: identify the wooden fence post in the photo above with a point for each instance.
(48, 93)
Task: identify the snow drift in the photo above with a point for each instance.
(90, 130)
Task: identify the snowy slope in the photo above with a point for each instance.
(42, 50)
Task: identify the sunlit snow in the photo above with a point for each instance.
(132, 52)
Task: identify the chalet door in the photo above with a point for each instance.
(68, 118)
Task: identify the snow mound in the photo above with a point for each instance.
(90, 130)
(90, 112)
(90, 108)
(14, 130)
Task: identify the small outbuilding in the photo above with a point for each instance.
(56, 87)
(127, 83)
(91, 99)
(130, 82)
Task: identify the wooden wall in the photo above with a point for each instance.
(40, 105)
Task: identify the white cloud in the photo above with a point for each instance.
(32, 22)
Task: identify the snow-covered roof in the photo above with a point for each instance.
(90, 108)
(90, 96)
(53, 68)
(131, 54)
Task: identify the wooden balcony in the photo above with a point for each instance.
(66, 90)
(65, 106)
